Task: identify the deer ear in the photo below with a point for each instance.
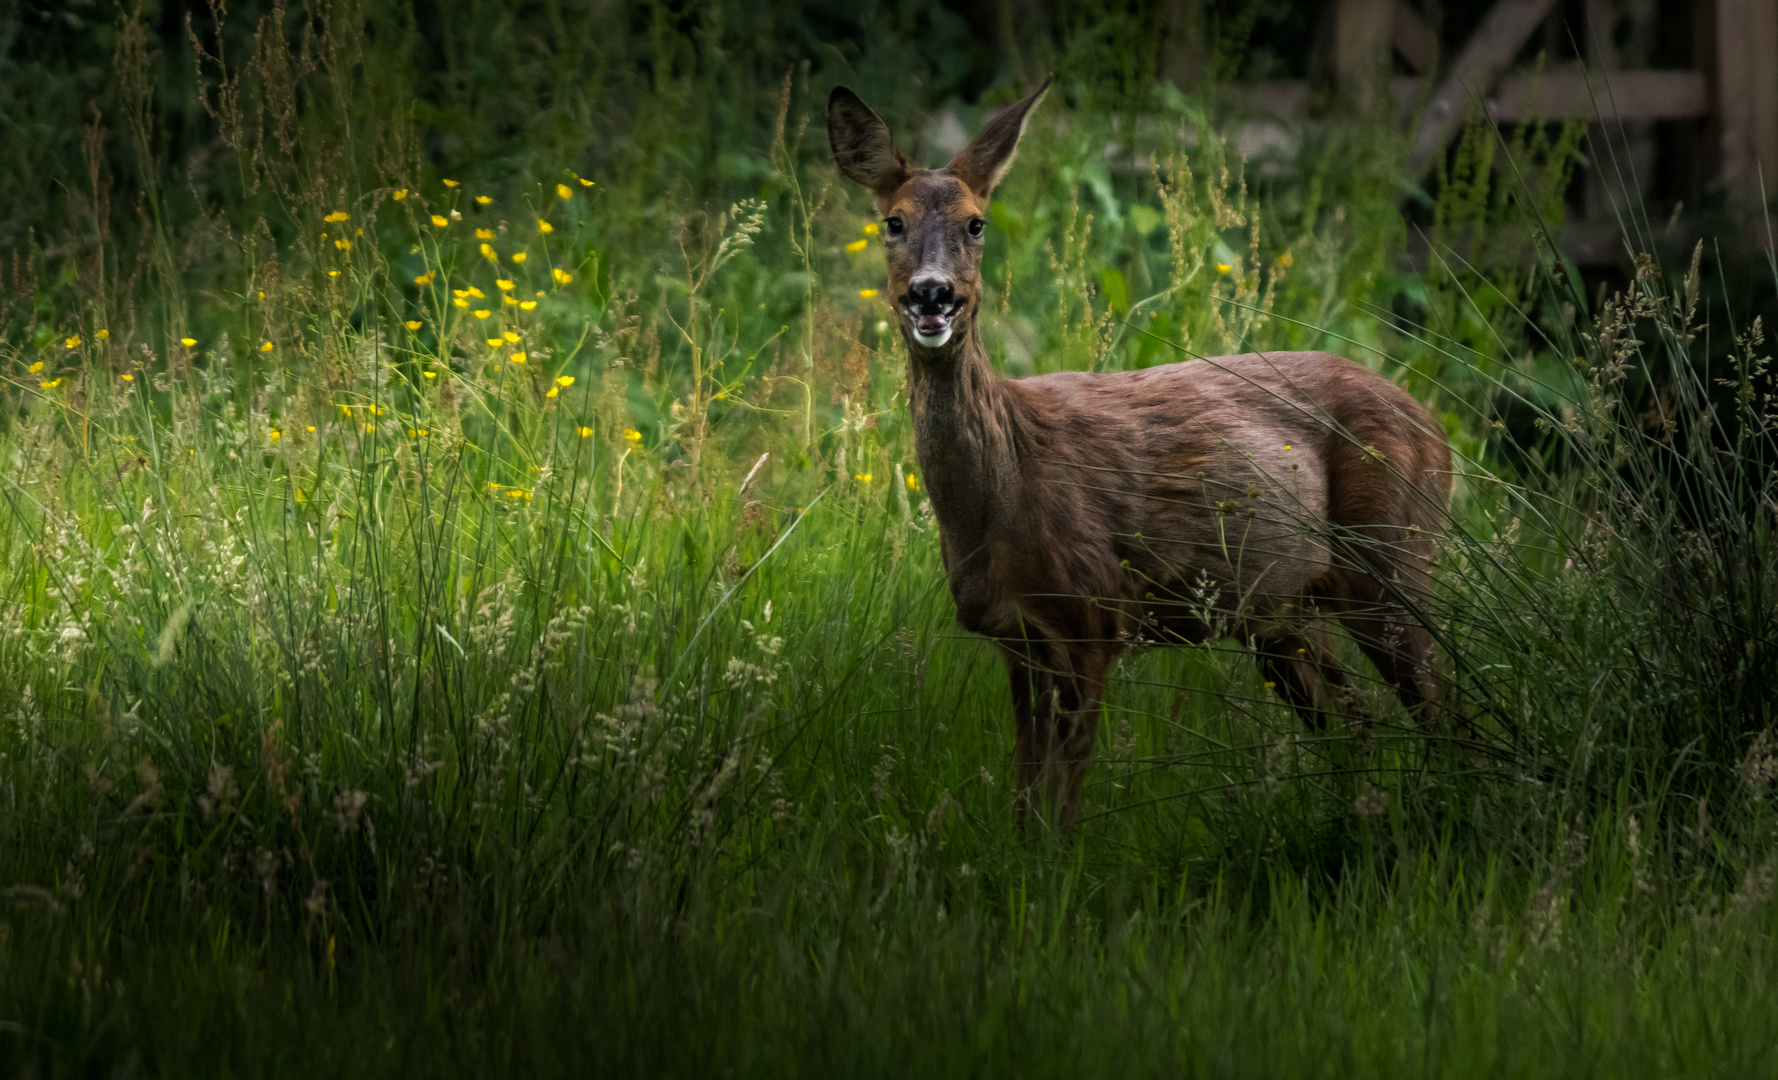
(861, 144)
(984, 161)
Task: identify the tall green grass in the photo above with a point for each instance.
(382, 693)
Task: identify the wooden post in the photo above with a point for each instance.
(1362, 30)
(1619, 36)
(1747, 96)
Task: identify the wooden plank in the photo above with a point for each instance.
(1747, 95)
(1483, 60)
(1618, 95)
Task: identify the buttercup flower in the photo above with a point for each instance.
(73, 342)
(398, 194)
(632, 435)
(35, 368)
(517, 357)
(439, 221)
(503, 284)
(336, 217)
(265, 346)
(562, 276)
(426, 278)
(188, 342)
(564, 380)
(483, 200)
(518, 257)
(413, 324)
(544, 226)
(564, 191)
(871, 228)
(584, 432)
(527, 305)
(510, 336)
(102, 334)
(867, 294)
(856, 246)
(450, 183)
(484, 234)
(481, 313)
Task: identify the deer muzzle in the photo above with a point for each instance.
(930, 304)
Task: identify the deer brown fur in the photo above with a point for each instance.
(1250, 496)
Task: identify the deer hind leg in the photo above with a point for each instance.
(1079, 694)
(1302, 669)
(1400, 647)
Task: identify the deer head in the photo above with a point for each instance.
(933, 219)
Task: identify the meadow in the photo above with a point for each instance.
(468, 602)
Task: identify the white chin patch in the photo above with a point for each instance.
(933, 341)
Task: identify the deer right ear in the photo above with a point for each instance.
(861, 145)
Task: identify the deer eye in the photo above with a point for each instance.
(894, 226)
(975, 226)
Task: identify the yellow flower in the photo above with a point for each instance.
(489, 253)
(867, 294)
(1285, 260)
(484, 234)
(495, 343)
(509, 301)
(1270, 685)
(584, 432)
(460, 302)
(35, 368)
(102, 334)
(368, 428)
(913, 482)
(439, 221)
(1223, 268)
(871, 228)
(528, 305)
(518, 357)
(300, 495)
(415, 433)
(564, 191)
(345, 410)
(430, 374)
(426, 278)
(127, 377)
(1286, 446)
(584, 182)
(862, 478)
(343, 245)
(483, 200)
(514, 493)
(510, 336)
(562, 276)
(265, 346)
(274, 434)
(375, 410)
(337, 216)
(73, 342)
(188, 342)
(553, 391)
(518, 257)
(51, 384)
(450, 183)
(311, 429)
(856, 246)
(564, 380)
(503, 284)
(481, 313)
(544, 226)
(413, 324)
(632, 435)
(475, 292)
(398, 194)
(333, 273)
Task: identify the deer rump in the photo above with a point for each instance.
(1242, 496)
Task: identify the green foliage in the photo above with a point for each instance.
(487, 646)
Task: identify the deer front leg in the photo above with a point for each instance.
(1032, 687)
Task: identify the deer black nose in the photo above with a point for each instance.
(930, 295)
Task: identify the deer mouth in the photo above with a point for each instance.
(932, 325)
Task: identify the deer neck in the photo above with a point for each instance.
(966, 434)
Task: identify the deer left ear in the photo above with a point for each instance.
(985, 160)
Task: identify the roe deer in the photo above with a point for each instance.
(1081, 513)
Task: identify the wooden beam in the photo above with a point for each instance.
(1747, 96)
(1617, 95)
(1481, 63)
(1414, 38)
